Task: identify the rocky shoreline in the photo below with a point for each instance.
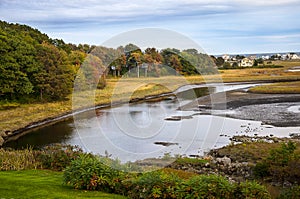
(221, 161)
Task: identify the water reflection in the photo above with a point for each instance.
(58, 133)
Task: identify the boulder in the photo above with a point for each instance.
(2, 134)
(225, 160)
(1, 140)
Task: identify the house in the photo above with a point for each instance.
(246, 62)
(294, 56)
(252, 57)
(265, 57)
(226, 57)
(289, 56)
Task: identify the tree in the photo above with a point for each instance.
(17, 63)
(175, 63)
(191, 51)
(131, 47)
(235, 65)
(255, 63)
(226, 65)
(239, 57)
(94, 72)
(154, 59)
(220, 61)
(54, 80)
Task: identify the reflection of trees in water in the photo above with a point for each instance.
(57, 133)
(195, 93)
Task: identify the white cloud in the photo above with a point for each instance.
(205, 20)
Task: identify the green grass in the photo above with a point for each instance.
(42, 184)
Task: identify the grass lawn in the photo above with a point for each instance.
(42, 184)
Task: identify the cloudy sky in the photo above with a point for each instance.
(218, 26)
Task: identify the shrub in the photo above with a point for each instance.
(281, 164)
(88, 172)
(250, 190)
(206, 186)
(261, 170)
(157, 184)
(292, 193)
(57, 157)
(180, 173)
(192, 161)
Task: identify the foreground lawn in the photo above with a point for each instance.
(42, 184)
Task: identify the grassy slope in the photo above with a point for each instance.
(41, 184)
(122, 89)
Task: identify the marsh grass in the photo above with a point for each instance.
(18, 160)
(278, 88)
(249, 152)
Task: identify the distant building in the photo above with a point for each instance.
(226, 57)
(252, 57)
(292, 56)
(265, 57)
(246, 62)
(295, 56)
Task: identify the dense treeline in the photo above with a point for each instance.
(164, 62)
(33, 66)
(36, 67)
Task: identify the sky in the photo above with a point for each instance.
(218, 26)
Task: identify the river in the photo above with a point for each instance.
(138, 131)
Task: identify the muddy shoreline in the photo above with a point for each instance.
(269, 108)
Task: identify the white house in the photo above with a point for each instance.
(246, 62)
(266, 57)
(294, 56)
(226, 57)
(291, 56)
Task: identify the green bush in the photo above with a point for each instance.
(250, 190)
(57, 157)
(292, 193)
(261, 170)
(282, 164)
(88, 172)
(206, 186)
(157, 184)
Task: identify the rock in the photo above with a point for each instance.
(165, 143)
(207, 165)
(1, 140)
(225, 160)
(2, 134)
(178, 118)
(295, 135)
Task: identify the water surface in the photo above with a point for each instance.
(129, 132)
